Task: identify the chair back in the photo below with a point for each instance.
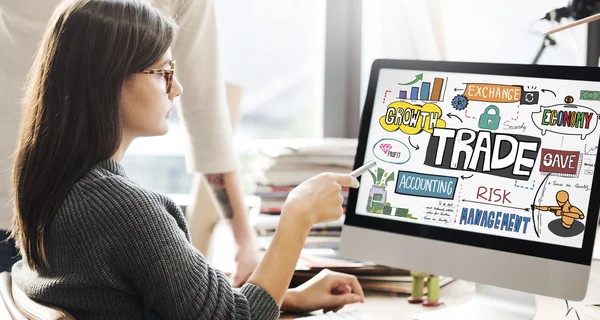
(17, 305)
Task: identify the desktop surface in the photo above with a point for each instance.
(386, 307)
(395, 307)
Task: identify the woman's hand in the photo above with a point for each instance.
(319, 198)
(327, 290)
(247, 258)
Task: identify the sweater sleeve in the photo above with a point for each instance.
(150, 250)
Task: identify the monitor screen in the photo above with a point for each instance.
(483, 155)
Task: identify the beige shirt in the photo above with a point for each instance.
(203, 106)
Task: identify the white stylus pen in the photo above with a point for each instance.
(358, 172)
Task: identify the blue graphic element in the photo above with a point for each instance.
(525, 187)
(460, 102)
(425, 87)
(494, 219)
(414, 93)
(425, 185)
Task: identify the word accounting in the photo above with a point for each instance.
(503, 155)
(425, 185)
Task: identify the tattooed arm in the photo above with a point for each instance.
(222, 192)
(229, 195)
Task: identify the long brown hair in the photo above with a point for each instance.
(70, 117)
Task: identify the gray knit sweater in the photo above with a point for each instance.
(119, 251)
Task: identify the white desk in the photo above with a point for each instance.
(459, 291)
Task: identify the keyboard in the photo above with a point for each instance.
(341, 315)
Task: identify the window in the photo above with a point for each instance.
(275, 51)
(465, 30)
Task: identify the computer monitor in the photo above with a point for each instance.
(485, 172)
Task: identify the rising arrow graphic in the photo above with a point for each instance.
(418, 77)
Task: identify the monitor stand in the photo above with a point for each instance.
(489, 303)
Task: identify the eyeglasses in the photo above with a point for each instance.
(167, 73)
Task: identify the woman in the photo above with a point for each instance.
(97, 244)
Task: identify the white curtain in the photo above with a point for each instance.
(400, 29)
(465, 30)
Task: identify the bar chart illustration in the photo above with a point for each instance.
(425, 92)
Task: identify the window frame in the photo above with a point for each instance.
(343, 41)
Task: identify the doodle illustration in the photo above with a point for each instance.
(460, 102)
(568, 213)
(530, 98)
(562, 163)
(378, 194)
(377, 202)
(503, 156)
(569, 99)
(589, 95)
(412, 119)
(427, 92)
(490, 119)
(488, 92)
(391, 151)
(509, 156)
(566, 119)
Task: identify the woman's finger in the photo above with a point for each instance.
(351, 281)
(341, 289)
(344, 299)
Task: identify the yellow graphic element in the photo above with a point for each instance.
(412, 119)
(564, 209)
(569, 99)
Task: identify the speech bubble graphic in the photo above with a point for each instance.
(566, 119)
(397, 152)
(412, 119)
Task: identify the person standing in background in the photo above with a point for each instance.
(203, 109)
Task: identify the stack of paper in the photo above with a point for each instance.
(266, 224)
(290, 162)
(283, 164)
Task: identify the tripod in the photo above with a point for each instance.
(548, 41)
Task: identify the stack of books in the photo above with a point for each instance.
(273, 197)
(372, 278)
(265, 225)
(282, 165)
(287, 163)
(322, 253)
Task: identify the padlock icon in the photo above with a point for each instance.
(490, 121)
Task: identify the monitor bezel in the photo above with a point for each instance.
(511, 245)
